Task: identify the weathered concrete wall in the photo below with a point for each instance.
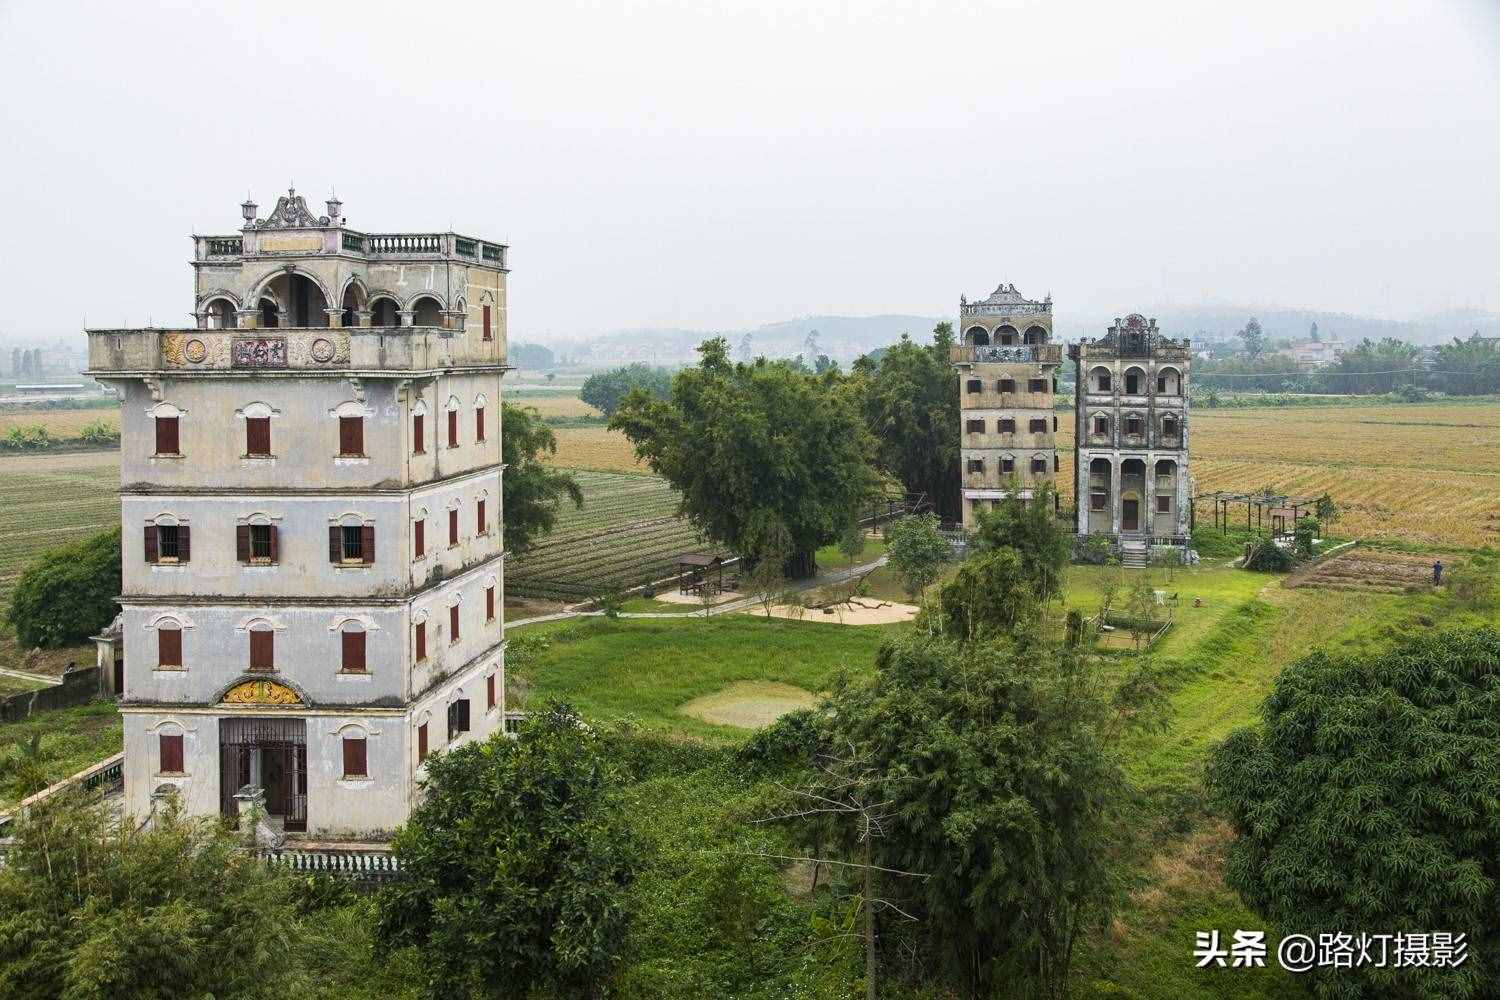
(79, 686)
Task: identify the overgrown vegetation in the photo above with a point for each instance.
(534, 489)
(67, 593)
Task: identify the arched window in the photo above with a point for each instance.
(355, 740)
(1168, 382)
(384, 312)
(977, 336)
(270, 313)
(220, 314)
(1036, 335)
(1099, 425)
(1006, 336)
(426, 311)
(480, 405)
(352, 647)
(262, 645)
(1099, 380)
(354, 302)
(1135, 381)
(168, 629)
(1169, 427)
(1135, 426)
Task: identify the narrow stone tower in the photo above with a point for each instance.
(1131, 422)
(1007, 377)
(313, 559)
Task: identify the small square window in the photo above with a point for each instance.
(1098, 501)
(1164, 505)
(1007, 385)
(976, 465)
(169, 542)
(1036, 385)
(1007, 426)
(975, 385)
(260, 543)
(1037, 426)
(356, 762)
(353, 543)
(975, 426)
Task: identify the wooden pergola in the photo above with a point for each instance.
(1280, 509)
(697, 571)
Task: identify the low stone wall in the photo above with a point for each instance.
(79, 686)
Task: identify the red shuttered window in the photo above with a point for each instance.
(453, 527)
(169, 647)
(421, 743)
(479, 424)
(170, 748)
(487, 334)
(419, 538)
(418, 435)
(421, 640)
(262, 649)
(257, 435)
(353, 660)
(356, 763)
(351, 436)
(453, 623)
(166, 436)
(479, 524)
(489, 604)
(453, 428)
(489, 691)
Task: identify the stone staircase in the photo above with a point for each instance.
(1134, 555)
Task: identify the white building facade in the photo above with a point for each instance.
(313, 559)
(1131, 436)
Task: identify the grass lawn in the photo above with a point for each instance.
(72, 739)
(645, 670)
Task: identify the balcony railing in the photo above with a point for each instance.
(403, 243)
(225, 246)
(414, 348)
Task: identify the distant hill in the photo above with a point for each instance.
(845, 338)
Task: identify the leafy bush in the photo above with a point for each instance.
(99, 432)
(791, 740)
(1363, 801)
(67, 593)
(1093, 550)
(917, 551)
(32, 437)
(517, 864)
(1268, 557)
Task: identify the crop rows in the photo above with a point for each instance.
(627, 533)
(40, 509)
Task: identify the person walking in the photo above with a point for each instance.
(1437, 573)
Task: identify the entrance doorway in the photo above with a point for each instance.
(1130, 515)
(270, 754)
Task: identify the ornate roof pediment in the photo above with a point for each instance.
(292, 213)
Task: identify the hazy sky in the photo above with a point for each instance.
(719, 164)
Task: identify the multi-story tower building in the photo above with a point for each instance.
(1131, 449)
(313, 558)
(1007, 375)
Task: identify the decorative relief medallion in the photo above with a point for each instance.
(195, 351)
(259, 352)
(322, 350)
(261, 693)
(172, 345)
(331, 348)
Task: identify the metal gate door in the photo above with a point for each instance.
(252, 749)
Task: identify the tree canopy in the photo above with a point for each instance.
(756, 449)
(909, 398)
(90, 910)
(999, 768)
(1365, 802)
(605, 390)
(516, 865)
(534, 490)
(1033, 531)
(67, 593)
(917, 551)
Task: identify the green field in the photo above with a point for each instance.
(645, 669)
(626, 533)
(1219, 661)
(72, 739)
(49, 499)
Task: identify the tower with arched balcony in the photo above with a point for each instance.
(1131, 444)
(1006, 365)
(311, 510)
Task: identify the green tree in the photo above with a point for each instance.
(90, 910)
(852, 541)
(1254, 338)
(917, 551)
(517, 865)
(989, 596)
(754, 446)
(1033, 530)
(67, 593)
(999, 767)
(606, 390)
(1365, 800)
(909, 398)
(534, 490)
